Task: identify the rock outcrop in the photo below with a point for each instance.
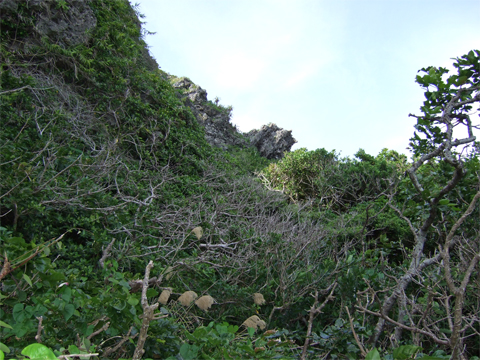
(66, 24)
(271, 141)
(219, 131)
(69, 25)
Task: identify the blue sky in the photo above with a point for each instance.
(339, 74)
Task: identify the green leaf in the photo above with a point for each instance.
(27, 279)
(5, 325)
(152, 293)
(339, 323)
(132, 300)
(444, 202)
(39, 352)
(68, 311)
(46, 251)
(405, 352)
(72, 349)
(2, 355)
(21, 295)
(23, 327)
(66, 293)
(4, 348)
(189, 352)
(373, 355)
(120, 305)
(18, 312)
(190, 337)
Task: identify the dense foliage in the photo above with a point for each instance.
(104, 170)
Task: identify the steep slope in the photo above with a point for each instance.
(108, 164)
(98, 149)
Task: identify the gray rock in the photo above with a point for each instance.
(271, 141)
(219, 131)
(66, 26)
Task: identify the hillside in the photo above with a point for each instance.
(138, 222)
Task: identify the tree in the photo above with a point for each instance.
(444, 140)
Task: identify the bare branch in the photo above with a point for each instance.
(148, 315)
(403, 326)
(106, 254)
(38, 337)
(314, 310)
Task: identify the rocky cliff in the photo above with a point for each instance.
(270, 140)
(71, 23)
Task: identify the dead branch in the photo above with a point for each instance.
(103, 328)
(148, 315)
(314, 310)
(127, 337)
(357, 340)
(403, 326)
(77, 355)
(38, 337)
(106, 254)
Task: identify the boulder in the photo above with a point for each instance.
(271, 141)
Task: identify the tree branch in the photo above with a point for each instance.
(148, 315)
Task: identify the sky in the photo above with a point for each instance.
(340, 74)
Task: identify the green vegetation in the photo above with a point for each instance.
(113, 206)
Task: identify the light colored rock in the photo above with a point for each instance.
(169, 273)
(205, 302)
(254, 322)
(187, 298)
(164, 296)
(219, 131)
(258, 299)
(198, 231)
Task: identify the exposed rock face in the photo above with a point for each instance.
(68, 26)
(219, 131)
(271, 141)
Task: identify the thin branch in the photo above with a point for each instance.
(357, 340)
(314, 310)
(38, 337)
(76, 355)
(148, 315)
(405, 327)
(103, 328)
(21, 88)
(127, 337)
(106, 254)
